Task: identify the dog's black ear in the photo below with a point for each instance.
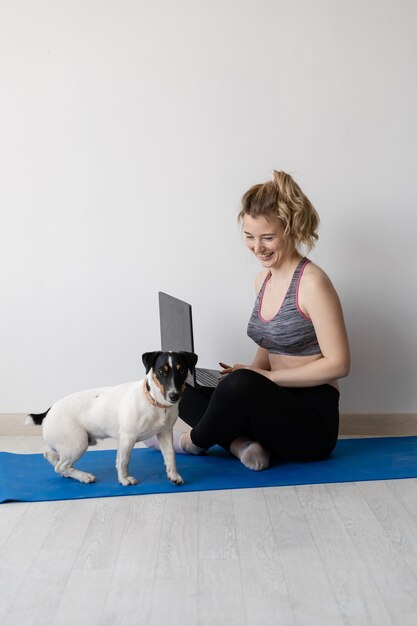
(191, 359)
(149, 359)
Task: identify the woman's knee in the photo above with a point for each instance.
(239, 382)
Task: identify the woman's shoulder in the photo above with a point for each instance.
(315, 279)
(314, 273)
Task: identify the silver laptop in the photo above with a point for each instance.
(175, 317)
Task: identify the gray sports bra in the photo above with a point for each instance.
(290, 331)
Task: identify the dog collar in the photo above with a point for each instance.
(151, 400)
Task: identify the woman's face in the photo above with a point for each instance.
(265, 238)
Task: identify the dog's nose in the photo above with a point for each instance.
(173, 397)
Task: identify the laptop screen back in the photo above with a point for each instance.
(176, 324)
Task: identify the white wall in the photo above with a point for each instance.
(129, 131)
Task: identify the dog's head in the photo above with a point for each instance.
(168, 371)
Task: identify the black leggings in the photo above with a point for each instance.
(293, 423)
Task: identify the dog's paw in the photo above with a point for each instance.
(85, 477)
(128, 480)
(175, 478)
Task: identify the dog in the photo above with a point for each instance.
(130, 412)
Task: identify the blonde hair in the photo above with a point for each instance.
(281, 198)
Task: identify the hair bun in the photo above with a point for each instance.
(282, 179)
(282, 198)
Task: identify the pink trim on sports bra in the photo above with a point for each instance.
(306, 317)
(268, 278)
(263, 319)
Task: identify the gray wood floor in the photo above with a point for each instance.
(321, 554)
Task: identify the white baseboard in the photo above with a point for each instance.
(378, 424)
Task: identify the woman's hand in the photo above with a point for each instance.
(228, 369)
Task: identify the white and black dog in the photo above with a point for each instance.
(130, 412)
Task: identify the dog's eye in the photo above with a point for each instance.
(162, 371)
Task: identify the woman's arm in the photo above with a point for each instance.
(261, 360)
(319, 300)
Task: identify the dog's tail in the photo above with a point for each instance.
(36, 418)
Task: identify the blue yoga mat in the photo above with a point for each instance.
(30, 478)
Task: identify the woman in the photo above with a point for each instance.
(284, 405)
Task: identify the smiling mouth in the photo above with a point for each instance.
(265, 257)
